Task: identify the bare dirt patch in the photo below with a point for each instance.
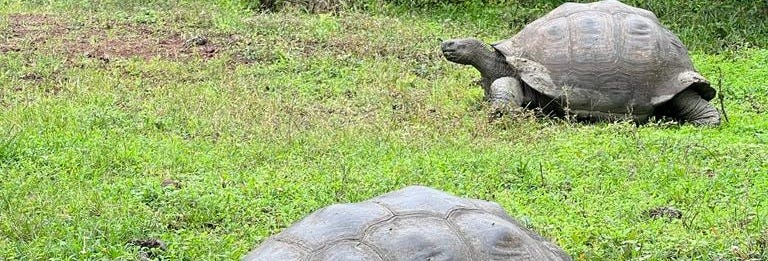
(35, 25)
(125, 41)
(31, 32)
(664, 212)
(25, 29)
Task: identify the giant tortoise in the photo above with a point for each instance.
(596, 61)
(414, 223)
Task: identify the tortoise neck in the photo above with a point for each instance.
(492, 65)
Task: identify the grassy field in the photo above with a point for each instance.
(119, 127)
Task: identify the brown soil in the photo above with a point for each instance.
(664, 212)
(30, 32)
(33, 29)
(170, 183)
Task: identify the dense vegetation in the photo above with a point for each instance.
(706, 25)
(122, 130)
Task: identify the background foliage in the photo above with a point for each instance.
(713, 26)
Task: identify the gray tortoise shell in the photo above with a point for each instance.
(604, 57)
(414, 223)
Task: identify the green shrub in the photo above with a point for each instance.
(711, 26)
(311, 6)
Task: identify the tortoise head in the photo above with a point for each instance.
(464, 51)
(469, 51)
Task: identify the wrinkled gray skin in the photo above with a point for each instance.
(499, 79)
(414, 223)
(503, 88)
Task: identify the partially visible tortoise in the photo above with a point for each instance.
(597, 61)
(414, 223)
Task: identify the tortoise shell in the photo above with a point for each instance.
(414, 223)
(603, 58)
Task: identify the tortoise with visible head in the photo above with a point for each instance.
(601, 61)
(414, 223)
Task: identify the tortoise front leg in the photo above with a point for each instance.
(505, 92)
(688, 106)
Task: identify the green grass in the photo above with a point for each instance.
(297, 111)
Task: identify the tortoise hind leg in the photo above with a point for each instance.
(688, 106)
